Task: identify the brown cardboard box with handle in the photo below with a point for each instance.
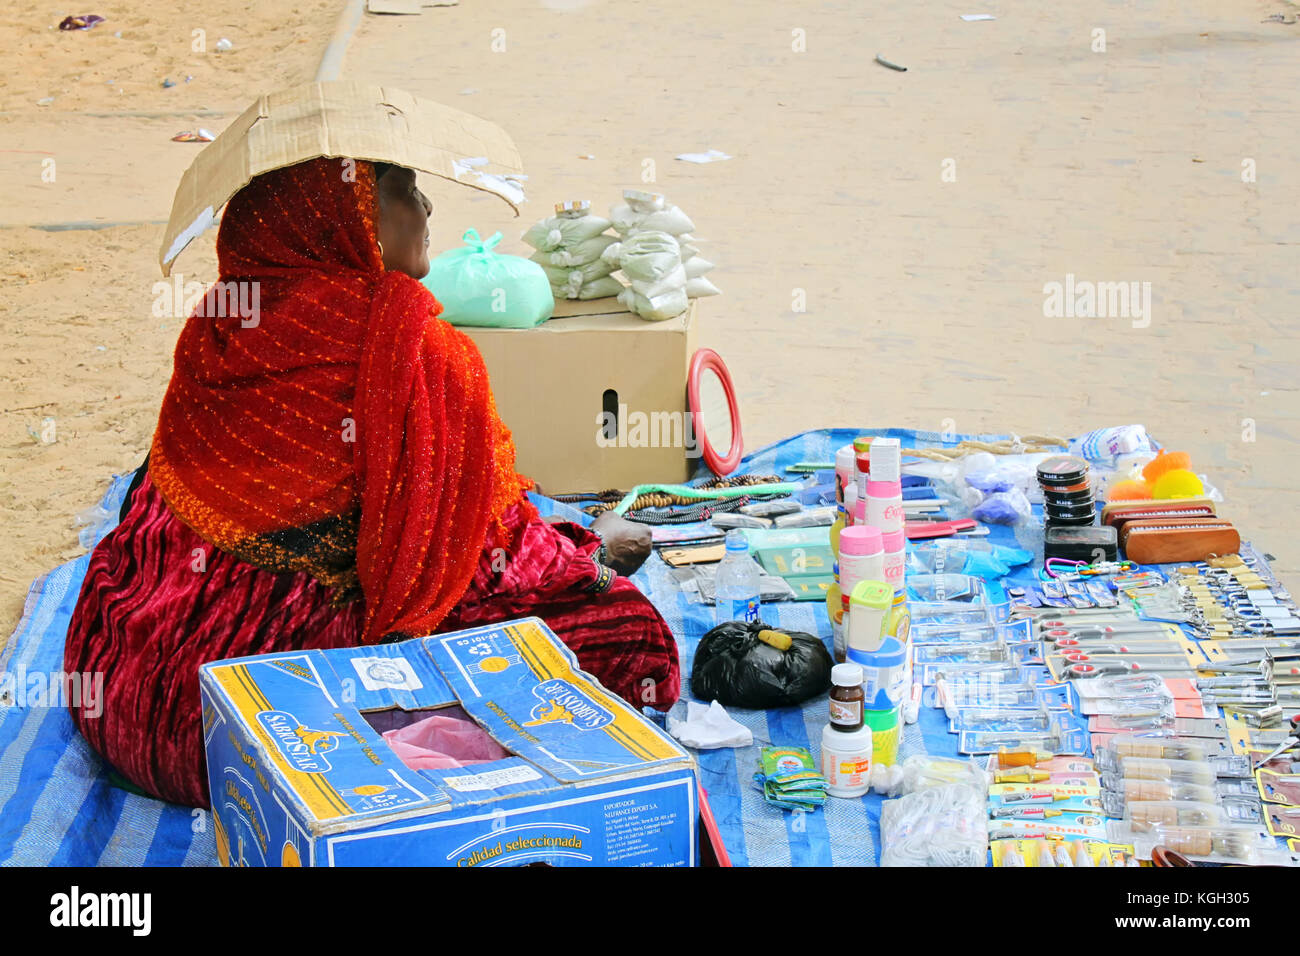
(554, 383)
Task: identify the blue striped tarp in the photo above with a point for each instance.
(58, 808)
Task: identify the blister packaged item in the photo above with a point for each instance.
(1104, 688)
(922, 771)
(1208, 844)
(970, 673)
(1057, 740)
(1082, 827)
(948, 615)
(1059, 853)
(730, 520)
(1279, 787)
(770, 509)
(1161, 748)
(1203, 773)
(1011, 632)
(1142, 815)
(1209, 727)
(1116, 798)
(1001, 718)
(985, 695)
(936, 826)
(995, 652)
(946, 589)
(807, 518)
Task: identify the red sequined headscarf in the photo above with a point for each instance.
(333, 424)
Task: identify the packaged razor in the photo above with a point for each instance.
(925, 613)
(1213, 728)
(1279, 787)
(985, 695)
(994, 653)
(1001, 718)
(969, 672)
(1012, 632)
(1058, 740)
(1282, 821)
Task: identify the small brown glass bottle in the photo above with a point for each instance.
(847, 698)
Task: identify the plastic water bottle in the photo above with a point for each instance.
(737, 582)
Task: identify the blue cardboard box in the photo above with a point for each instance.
(299, 776)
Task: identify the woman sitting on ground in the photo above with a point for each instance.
(332, 473)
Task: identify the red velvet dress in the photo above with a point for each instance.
(328, 470)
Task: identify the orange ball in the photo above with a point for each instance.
(1128, 490)
(1166, 461)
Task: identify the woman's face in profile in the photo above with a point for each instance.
(404, 223)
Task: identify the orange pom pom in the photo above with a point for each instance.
(1166, 461)
(1128, 491)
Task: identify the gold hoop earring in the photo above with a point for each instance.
(381, 248)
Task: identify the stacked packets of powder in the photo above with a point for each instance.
(789, 779)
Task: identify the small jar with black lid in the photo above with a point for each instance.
(847, 698)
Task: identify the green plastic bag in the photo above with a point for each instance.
(481, 288)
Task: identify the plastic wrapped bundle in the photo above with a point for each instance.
(641, 212)
(751, 665)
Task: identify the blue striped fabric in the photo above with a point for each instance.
(57, 807)
(844, 832)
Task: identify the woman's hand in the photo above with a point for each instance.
(627, 544)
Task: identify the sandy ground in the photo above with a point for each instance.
(924, 292)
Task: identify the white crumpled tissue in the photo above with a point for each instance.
(709, 728)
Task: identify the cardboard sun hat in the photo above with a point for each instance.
(346, 120)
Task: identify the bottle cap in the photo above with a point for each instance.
(861, 444)
(844, 459)
(846, 675)
(884, 489)
(893, 542)
(861, 539)
(875, 594)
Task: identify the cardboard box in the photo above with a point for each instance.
(553, 383)
(299, 777)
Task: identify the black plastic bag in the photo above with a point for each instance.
(733, 666)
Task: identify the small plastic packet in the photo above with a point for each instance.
(935, 826)
(922, 771)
